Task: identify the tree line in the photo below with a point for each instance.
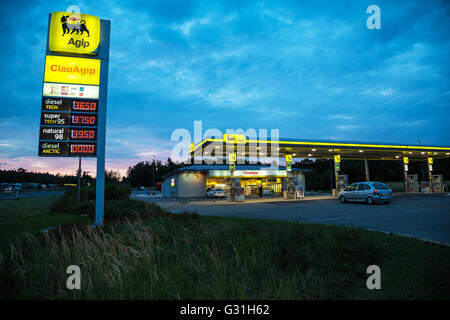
(149, 173)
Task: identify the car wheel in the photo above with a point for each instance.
(342, 199)
(369, 200)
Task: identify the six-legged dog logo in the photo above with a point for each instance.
(78, 26)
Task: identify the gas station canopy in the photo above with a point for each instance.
(315, 149)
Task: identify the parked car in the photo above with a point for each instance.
(369, 192)
(8, 189)
(215, 193)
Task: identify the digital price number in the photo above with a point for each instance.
(82, 149)
(82, 134)
(83, 120)
(80, 105)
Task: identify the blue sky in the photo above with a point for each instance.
(311, 69)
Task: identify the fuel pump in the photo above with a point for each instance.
(341, 182)
(412, 183)
(437, 183)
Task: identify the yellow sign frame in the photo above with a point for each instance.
(74, 32)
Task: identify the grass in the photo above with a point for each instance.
(30, 215)
(11, 210)
(34, 224)
(188, 256)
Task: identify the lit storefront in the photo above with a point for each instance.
(194, 180)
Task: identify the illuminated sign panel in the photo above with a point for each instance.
(68, 119)
(72, 70)
(337, 166)
(70, 90)
(288, 158)
(74, 32)
(65, 149)
(68, 133)
(67, 104)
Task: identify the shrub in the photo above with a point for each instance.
(112, 192)
(68, 203)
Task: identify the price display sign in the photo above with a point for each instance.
(67, 149)
(68, 104)
(68, 133)
(68, 127)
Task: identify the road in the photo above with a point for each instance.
(28, 194)
(420, 216)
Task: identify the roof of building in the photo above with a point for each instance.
(315, 149)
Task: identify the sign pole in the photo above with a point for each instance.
(79, 178)
(103, 54)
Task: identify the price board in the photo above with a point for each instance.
(67, 124)
(68, 104)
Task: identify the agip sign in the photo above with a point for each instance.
(74, 32)
(72, 70)
(74, 93)
(71, 103)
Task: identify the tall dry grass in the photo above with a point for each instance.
(185, 257)
(128, 260)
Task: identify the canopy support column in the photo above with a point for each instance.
(366, 166)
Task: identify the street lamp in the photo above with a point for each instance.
(153, 165)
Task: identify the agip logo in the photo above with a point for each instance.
(74, 32)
